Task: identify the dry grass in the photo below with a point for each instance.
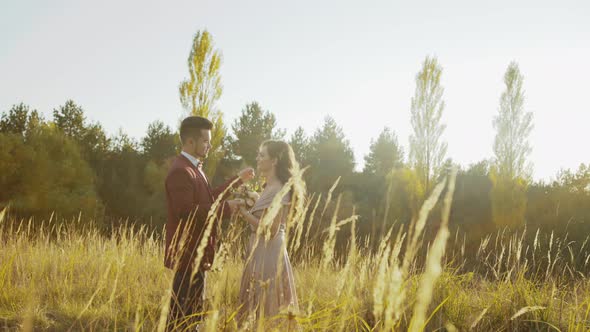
(66, 275)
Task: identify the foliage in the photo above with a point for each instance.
(385, 154)
(201, 91)
(427, 149)
(253, 127)
(330, 157)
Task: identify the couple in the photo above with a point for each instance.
(267, 284)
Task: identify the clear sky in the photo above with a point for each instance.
(354, 60)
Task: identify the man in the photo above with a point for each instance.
(190, 198)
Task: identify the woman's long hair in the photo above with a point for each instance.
(286, 166)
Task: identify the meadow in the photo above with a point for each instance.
(71, 275)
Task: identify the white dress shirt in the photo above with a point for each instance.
(196, 162)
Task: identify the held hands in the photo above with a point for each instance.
(253, 195)
(242, 206)
(247, 174)
(233, 205)
(242, 209)
(237, 205)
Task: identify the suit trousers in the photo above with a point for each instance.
(187, 300)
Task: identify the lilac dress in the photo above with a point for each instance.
(267, 287)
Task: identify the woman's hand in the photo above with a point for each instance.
(253, 195)
(242, 210)
(235, 204)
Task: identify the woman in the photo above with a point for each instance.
(268, 286)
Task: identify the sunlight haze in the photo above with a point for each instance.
(356, 61)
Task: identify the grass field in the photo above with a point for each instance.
(62, 275)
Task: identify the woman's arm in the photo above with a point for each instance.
(249, 217)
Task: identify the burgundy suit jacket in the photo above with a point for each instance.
(188, 194)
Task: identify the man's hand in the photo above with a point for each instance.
(247, 174)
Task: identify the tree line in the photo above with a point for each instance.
(69, 165)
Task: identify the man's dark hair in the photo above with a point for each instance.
(192, 126)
